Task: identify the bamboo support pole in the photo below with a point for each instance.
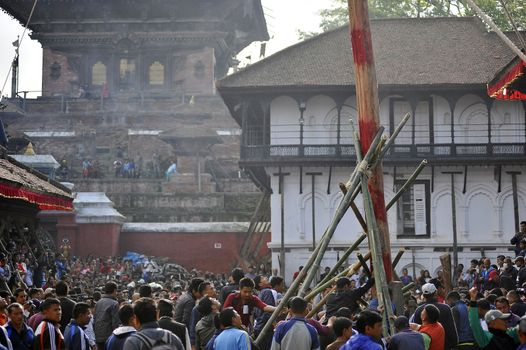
(342, 260)
(318, 253)
(407, 184)
(398, 257)
(340, 211)
(322, 286)
(395, 133)
(408, 287)
(380, 277)
(364, 265)
(351, 271)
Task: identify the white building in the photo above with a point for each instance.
(294, 109)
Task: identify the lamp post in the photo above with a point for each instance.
(303, 107)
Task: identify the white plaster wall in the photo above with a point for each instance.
(471, 120)
(484, 217)
(284, 121)
(321, 121)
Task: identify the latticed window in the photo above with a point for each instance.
(98, 73)
(156, 73)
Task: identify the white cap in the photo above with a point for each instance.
(492, 315)
(428, 288)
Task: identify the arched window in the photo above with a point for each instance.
(98, 73)
(156, 74)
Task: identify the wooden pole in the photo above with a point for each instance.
(369, 117)
(454, 217)
(515, 198)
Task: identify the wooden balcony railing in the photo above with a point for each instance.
(445, 153)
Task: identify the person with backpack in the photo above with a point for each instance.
(244, 301)
(75, 337)
(120, 334)
(149, 334)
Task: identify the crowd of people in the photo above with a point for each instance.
(52, 300)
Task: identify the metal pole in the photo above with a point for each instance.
(369, 118)
(454, 216)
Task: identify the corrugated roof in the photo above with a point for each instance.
(409, 51)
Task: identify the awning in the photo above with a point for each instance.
(510, 82)
(20, 182)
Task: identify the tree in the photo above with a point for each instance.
(337, 15)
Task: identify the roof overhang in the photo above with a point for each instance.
(17, 181)
(510, 82)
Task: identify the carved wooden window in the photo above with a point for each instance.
(98, 73)
(156, 74)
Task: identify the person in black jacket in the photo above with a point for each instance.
(518, 307)
(521, 275)
(446, 316)
(185, 304)
(66, 303)
(235, 276)
(518, 237)
(165, 309)
(345, 296)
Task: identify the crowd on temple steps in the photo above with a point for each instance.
(52, 300)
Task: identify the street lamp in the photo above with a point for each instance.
(303, 107)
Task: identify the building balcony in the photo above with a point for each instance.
(399, 154)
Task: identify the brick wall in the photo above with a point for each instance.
(191, 250)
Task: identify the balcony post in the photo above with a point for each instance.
(302, 108)
(339, 131)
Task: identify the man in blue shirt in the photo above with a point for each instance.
(369, 326)
(75, 337)
(296, 333)
(20, 334)
(232, 337)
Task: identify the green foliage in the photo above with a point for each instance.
(337, 15)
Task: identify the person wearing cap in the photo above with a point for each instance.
(498, 336)
(446, 316)
(466, 341)
(405, 337)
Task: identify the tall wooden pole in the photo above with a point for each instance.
(368, 115)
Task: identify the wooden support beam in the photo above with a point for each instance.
(368, 115)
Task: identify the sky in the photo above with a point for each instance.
(284, 19)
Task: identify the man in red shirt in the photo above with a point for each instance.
(244, 302)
